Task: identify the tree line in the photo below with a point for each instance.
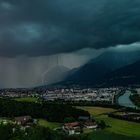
(50, 111)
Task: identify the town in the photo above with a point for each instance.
(72, 94)
(69, 111)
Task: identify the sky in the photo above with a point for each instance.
(36, 35)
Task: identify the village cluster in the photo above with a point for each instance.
(76, 127)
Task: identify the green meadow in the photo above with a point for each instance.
(116, 127)
(51, 125)
(105, 135)
(27, 99)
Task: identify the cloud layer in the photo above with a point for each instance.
(46, 27)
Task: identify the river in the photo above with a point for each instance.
(124, 100)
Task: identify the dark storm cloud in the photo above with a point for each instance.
(44, 27)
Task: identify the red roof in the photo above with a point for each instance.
(73, 124)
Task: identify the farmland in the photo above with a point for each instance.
(118, 127)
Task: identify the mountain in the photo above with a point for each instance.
(116, 59)
(92, 72)
(128, 75)
(56, 74)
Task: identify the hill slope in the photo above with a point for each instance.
(128, 75)
(92, 72)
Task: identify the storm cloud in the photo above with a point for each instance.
(47, 27)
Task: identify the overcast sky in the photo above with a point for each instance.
(35, 33)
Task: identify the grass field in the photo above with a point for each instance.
(120, 127)
(97, 110)
(104, 135)
(27, 99)
(5, 120)
(50, 125)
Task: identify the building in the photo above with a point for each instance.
(84, 118)
(24, 120)
(72, 128)
(90, 125)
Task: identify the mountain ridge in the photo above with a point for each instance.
(92, 72)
